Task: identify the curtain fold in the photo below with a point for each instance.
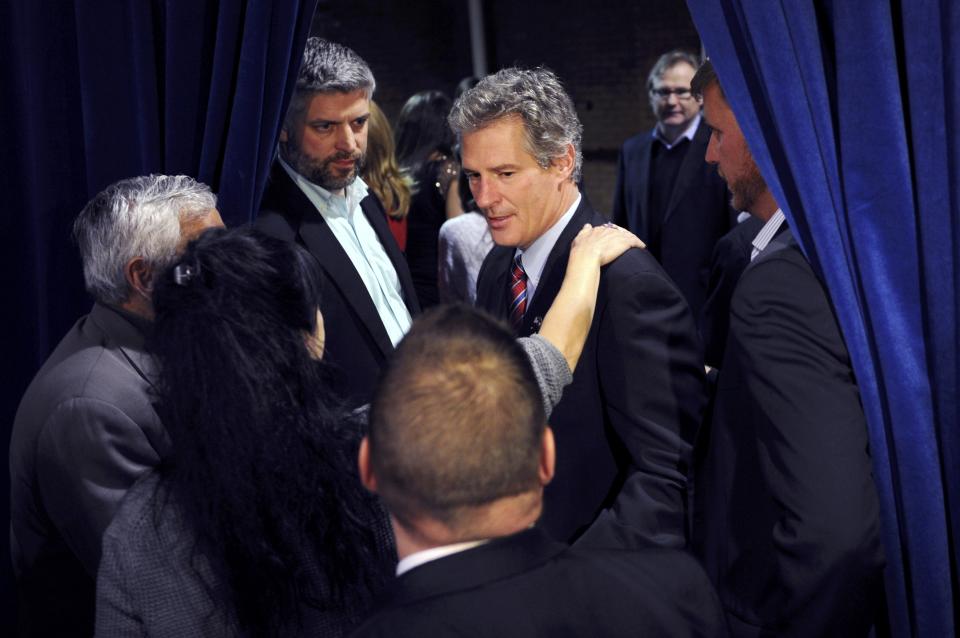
(98, 91)
(851, 111)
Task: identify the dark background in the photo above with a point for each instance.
(602, 54)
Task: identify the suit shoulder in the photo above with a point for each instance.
(668, 587)
(781, 290)
(276, 223)
(632, 265)
(779, 267)
(636, 143)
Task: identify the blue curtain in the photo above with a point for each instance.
(97, 91)
(852, 111)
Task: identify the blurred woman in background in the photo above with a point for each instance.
(425, 152)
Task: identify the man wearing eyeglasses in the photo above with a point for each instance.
(666, 194)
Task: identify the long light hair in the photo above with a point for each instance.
(381, 171)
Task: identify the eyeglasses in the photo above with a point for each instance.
(665, 93)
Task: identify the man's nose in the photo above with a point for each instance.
(483, 193)
(346, 139)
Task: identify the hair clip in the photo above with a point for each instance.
(183, 274)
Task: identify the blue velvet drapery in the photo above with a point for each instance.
(98, 91)
(852, 111)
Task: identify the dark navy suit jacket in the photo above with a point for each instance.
(527, 585)
(786, 516)
(625, 426)
(698, 212)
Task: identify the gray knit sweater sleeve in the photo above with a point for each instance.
(553, 373)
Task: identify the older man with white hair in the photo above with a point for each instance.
(86, 427)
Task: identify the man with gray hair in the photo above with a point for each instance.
(315, 197)
(626, 424)
(665, 192)
(86, 428)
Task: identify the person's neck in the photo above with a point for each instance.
(568, 195)
(137, 306)
(503, 517)
(671, 132)
(764, 207)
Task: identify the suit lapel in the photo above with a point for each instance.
(555, 268)
(321, 242)
(493, 295)
(378, 219)
(643, 178)
(691, 165)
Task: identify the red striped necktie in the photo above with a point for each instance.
(518, 293)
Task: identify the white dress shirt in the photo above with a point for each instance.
(419, 558)
(534, 258)
(358, 239)
(687, 134)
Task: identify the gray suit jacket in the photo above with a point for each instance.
(84, 432)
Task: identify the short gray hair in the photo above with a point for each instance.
(535, 95)
(669, 60)
(328, 67)
(136, 217)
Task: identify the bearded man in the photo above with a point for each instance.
(315, 197)
(786, 516)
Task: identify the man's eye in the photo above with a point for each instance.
(326, 126)
(506, 174)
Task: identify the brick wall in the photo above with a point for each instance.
(602, 51)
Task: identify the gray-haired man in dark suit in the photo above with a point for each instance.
(86, 428)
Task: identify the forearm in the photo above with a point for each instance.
(568, 321)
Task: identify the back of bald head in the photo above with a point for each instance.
(457, 420)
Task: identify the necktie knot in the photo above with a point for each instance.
(518, 293)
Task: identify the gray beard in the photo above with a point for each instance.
(320, 172)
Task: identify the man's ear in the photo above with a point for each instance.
(366, 469)
(139, 276)
(564, 163)
(548, 456)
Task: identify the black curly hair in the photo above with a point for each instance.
(263, 463)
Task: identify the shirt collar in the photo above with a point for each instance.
(434, 553)
(354, 192)
(687, 134)
(534, 258)
(762, 240)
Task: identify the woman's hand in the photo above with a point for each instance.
(599, 245)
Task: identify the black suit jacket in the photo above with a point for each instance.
(698, 213)
(356, 341)
(730, 257)
(625, 426)
(786, 512)
(527, 585)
